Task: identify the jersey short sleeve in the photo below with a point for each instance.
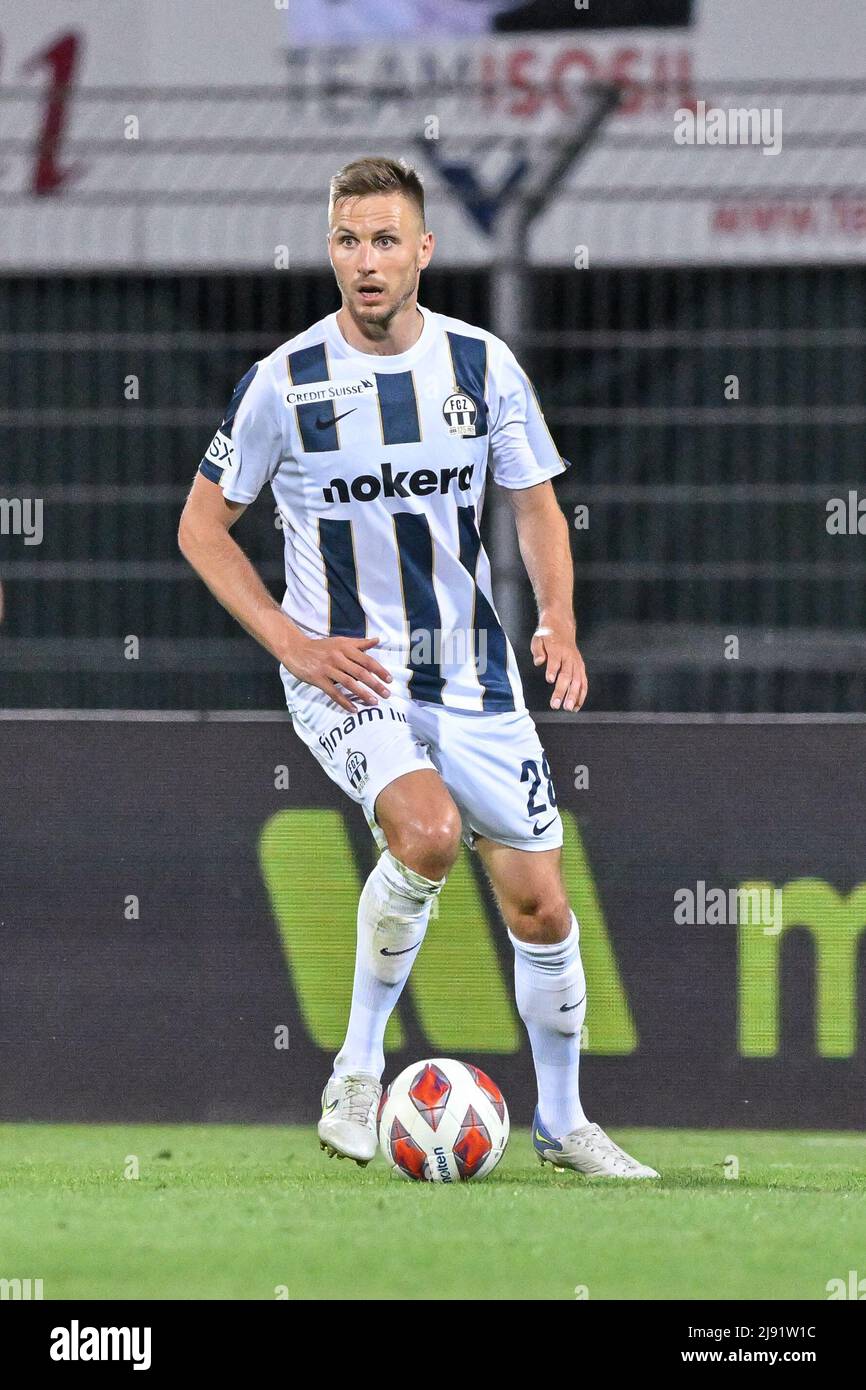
(247, 449)
(522, 451)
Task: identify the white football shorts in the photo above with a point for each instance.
(493, 765)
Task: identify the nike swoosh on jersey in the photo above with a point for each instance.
(322, 424)
(540, 829)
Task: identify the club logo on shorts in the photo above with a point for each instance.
(356, 770)
(460, 414)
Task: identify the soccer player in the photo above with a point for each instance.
(376, 428)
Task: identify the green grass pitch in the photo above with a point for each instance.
(242, 1212)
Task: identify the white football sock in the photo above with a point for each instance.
(550, 988)
(392, 918)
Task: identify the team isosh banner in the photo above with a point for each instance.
(169, 136)
(178, 925)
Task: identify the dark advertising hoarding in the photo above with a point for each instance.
(178, 919)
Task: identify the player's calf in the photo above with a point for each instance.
(393, 913)
(395, 905)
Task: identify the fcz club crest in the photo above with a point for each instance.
(461, 414)
(356, 770)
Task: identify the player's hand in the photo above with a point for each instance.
(330, 662)
(565, 670)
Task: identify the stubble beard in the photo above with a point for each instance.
(381, 320)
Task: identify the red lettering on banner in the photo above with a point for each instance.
(725, 219)
(745, 218)
(517, 61)
(850, 215)
(803, 219)
(61, 59)
(572, 57)
(665, 84)
(633, 99)
(651, 80)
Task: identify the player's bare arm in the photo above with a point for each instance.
(542, 532)
(216, 557)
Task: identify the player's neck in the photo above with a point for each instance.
(402, 332)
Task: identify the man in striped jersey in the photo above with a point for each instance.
(376, 429)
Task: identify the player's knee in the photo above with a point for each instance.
(540, 919)
(428, 843)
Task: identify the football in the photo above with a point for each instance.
(443, 1121)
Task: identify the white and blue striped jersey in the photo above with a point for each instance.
(378, 466)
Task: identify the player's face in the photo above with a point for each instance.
(377, 248)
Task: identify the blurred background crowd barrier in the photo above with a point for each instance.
(692, 314)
